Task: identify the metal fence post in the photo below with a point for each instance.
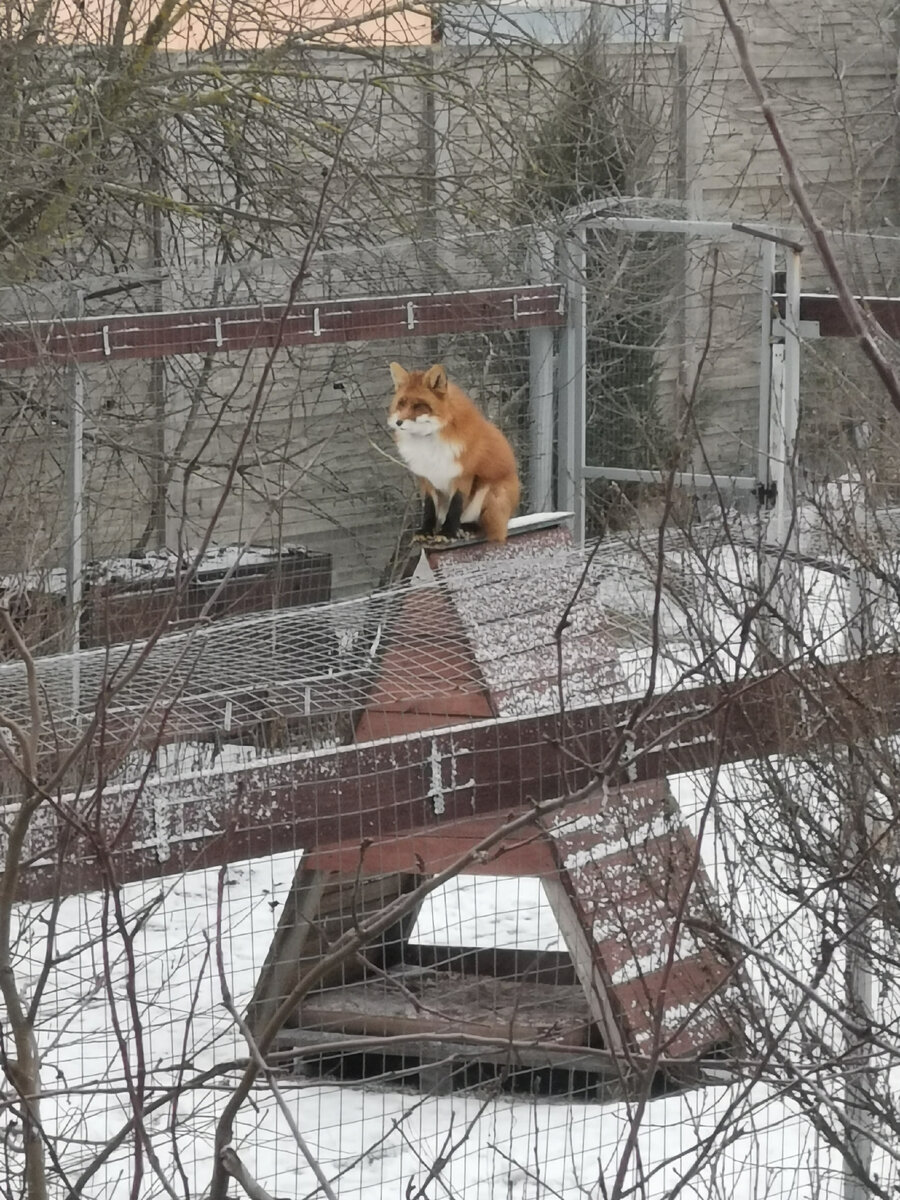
(861, 985)
(540, 386)
(74, 493)
(75, 513)
(764, 439)
(790, 400)
(572, 385)
(782, 572)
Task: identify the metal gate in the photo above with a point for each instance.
(675, 362)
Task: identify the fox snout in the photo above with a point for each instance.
(413, 420)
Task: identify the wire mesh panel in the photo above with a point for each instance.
(464, 859)
(247, 434)
(847, 423)
(340, 864)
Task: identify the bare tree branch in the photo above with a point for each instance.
(860, 322)
(236, 1169)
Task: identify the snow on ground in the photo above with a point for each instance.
(479, 910)
(371, 1142)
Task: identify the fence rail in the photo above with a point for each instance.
(248, 327)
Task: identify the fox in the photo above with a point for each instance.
(465, 467)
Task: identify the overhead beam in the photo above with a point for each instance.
(271, 326)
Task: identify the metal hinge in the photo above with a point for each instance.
(766, 494)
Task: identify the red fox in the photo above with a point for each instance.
(464, 465)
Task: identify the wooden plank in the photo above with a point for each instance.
(432, 852)
(540, 1055)
(115, 613)
(541, 966)
(321, 908)
(634, 880)
(442, 1002)
(294, 928)
(827, 310)
(427, 674)
(381, 790)
(256, 327)
(584, 960)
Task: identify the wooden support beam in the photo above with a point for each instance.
(321, 908)
(610, 1076)
(379, 790)
(269, 326)
(827, 311)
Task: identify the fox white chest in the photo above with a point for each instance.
(430, 457)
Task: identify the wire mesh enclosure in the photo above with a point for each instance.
(446, 883)
(462, 859)
(343, 862)
(846, 424)
(666, 364)
(687, 360)
(274, 426)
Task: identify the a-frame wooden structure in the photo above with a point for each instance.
(619, 869)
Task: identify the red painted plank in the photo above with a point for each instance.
(383, 789)
(222, 330)
(683, 1010)
(526, 853)
(632, 871)
(827, 310)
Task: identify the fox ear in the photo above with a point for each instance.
(398, 375)
(436, 379)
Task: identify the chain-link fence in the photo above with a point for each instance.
(631, 970)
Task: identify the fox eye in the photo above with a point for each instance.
(420, 410)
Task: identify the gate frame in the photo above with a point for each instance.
(779, 383)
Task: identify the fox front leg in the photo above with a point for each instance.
(429, 518)
(450, 528)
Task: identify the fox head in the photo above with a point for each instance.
(419, 400)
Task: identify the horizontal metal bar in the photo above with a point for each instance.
(741, 483)
(715, 229)
(826, 565)
(766, 235)
(594, 215)
(655, 225)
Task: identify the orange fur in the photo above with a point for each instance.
(452, 447)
